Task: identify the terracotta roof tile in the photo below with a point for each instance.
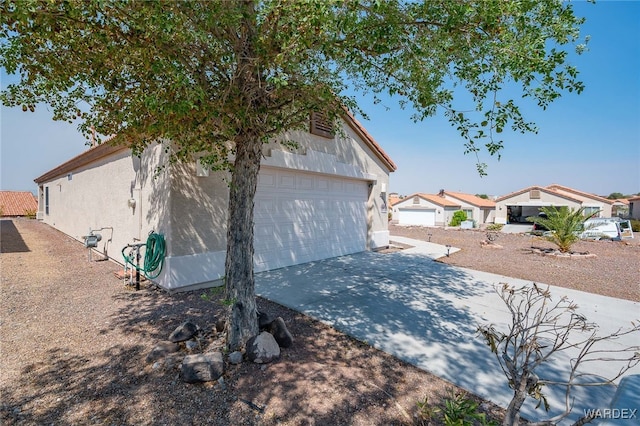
(17, 203)
(433, 198)
(471, 199)
(565, 189)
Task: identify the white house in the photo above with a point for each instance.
(478, 209)
(517, 206)
(424, 210)
(323, 199)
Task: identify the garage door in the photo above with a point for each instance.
(414, 216)
(300, 217)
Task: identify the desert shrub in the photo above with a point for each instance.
(495, 227)
(458, 409)
(458, 217)
(635, 225)
(30, 213)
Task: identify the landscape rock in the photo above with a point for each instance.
(220, 325)
(184, 331)
(280, 332)
(264, 320)
(161, 350)
(191, 345)
(235, 358)
(202, 367)
(263, 348)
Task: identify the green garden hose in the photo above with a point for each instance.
(155, 251)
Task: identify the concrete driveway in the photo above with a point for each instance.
(427, 313)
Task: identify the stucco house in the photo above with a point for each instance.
(478, 209)
(634, 207)
(17, 203)
(517, 206)
(324, 198)
(424, 210)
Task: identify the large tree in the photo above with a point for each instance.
(223, 77)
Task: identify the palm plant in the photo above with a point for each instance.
(563, 223)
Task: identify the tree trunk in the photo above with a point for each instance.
(242, 322)
(512, 416)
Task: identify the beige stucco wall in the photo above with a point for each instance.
(634, 208)
(97, 195)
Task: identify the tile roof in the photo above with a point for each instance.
(432, 198)
(471, 199)
(17, 203)
(560, 188)
(107, 148)
(539, 188)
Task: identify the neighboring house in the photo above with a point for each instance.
(424, 210)
(478, 209)
(324, 198)
(17, 203)
(517, 206)
(620, 208)
(634, 207)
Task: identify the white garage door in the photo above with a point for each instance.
(414, 216)
(300, 217)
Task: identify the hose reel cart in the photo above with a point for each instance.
(154, 253)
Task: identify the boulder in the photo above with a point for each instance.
(280, 332)
(202, 367)
(184, 331)
(161, 350)
(235, 358)
(262, 348)
(264, 320)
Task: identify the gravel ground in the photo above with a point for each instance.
(612, 268)
(74, 341)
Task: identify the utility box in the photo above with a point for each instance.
(466, 224)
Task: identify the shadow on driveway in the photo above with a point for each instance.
(421, 311)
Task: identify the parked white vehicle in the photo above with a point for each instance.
(611, 228)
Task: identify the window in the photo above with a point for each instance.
(469, 213)
(591, 212)
(321, 126)
(46, 200)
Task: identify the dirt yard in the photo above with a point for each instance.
(614, 270)
(74, 341)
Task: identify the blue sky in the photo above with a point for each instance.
(589, 142)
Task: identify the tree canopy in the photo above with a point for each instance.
(222, 77)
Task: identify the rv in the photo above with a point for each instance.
(609, 228)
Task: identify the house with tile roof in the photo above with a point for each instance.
(17, 203)
(424, 210)
(480, 210)
(526, 202)
(634, 207)
(324, 198)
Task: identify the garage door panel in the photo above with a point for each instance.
(421, 217)
(301, 217)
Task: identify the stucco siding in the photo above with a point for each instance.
(97, 195)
